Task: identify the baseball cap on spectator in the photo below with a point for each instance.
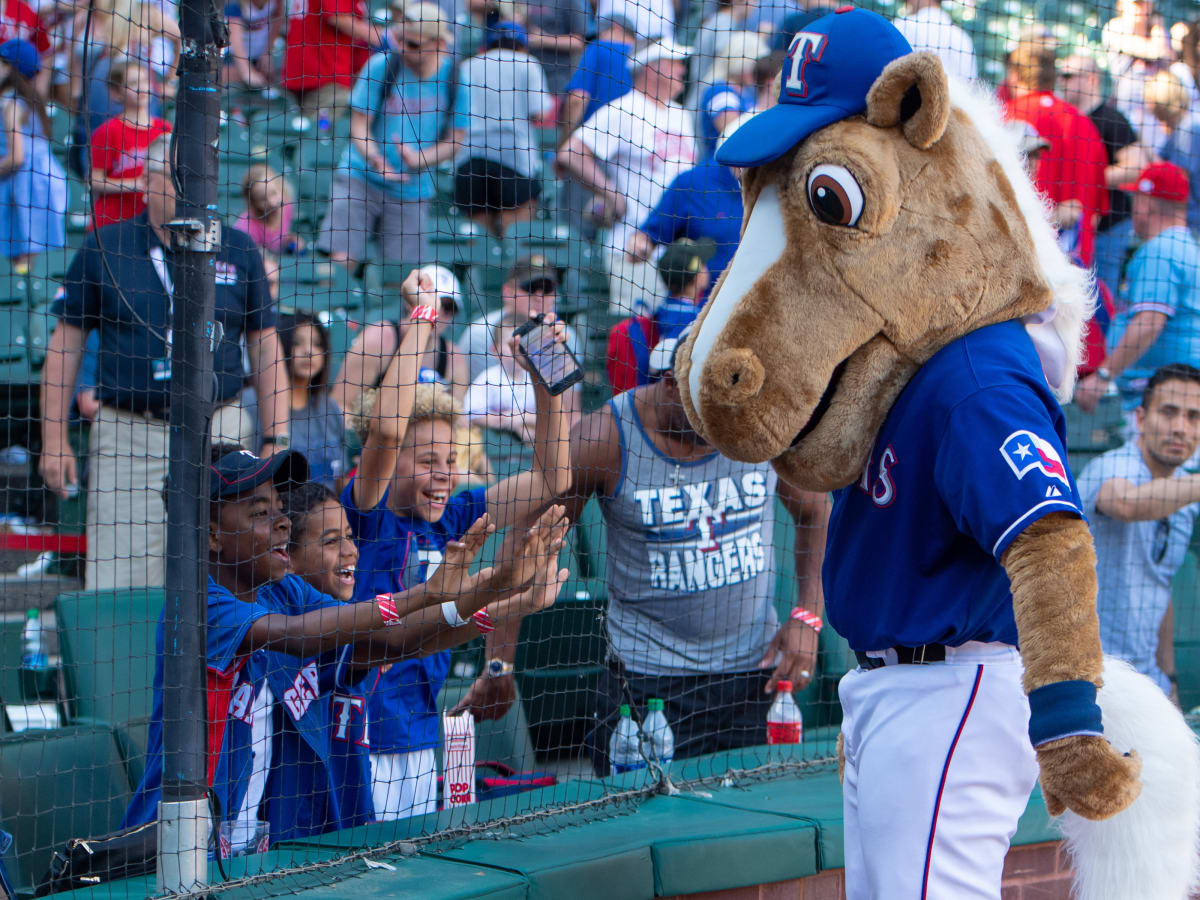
(424, 20)
(843, 54)
(534, 272)
(662, 357)
(653, 51)
(445, 285)
(1162, 180)
(513, 32)
(236, 473)
(681, 262)
(22, 56)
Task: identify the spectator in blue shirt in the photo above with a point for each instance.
(703, 203)
(1171, 105)
(407, 115)
(1162, 324)
(603, 74)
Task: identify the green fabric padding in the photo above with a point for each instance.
(691, 850)
(422, 876)
(107, 640)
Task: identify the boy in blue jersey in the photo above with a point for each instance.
(403, 509)
(266, 626)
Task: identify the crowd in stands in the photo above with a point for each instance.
(350, 486)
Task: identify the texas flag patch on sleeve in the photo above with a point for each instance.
(1024, 452)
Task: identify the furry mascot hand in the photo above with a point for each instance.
(1052, 568)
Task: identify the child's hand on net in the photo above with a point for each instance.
(452, 578)
(539, 547)
(414, 286)
(540, 596)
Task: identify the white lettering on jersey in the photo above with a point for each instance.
(430, 559)
(688, 571)
(884, 491)
(302, 693)
(345, 709)
(881, 489)
(240, 702)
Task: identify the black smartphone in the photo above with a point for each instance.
(553, 363)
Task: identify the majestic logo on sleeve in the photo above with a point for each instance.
(1025, 451)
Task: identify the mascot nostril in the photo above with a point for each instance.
(957, 549)
(733, 376)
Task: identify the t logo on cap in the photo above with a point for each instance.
(806, 47)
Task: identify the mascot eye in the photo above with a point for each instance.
(835, 196)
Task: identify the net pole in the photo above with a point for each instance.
(184, 823)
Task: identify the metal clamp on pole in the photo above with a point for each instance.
(196, 235)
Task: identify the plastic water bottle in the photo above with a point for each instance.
(784, 724)
(36, 674)
(624, 747)
(657, 737)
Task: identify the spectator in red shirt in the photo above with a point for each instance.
(18, 20)
(1071, 171)
(683, 268)
(119, 146)
(328, 42)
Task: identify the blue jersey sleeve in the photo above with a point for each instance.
(663, 223)
(364, 523)
(1155, 278)
(1001, 466)
(583, 79)
(228, 621)
(463, 509)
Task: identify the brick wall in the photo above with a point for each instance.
(1034, 872)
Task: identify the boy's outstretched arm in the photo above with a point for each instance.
(519, 496)
(394, 399)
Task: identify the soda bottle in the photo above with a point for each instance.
(36, 675)
(784, 725)
(657, 737)
(624, 747)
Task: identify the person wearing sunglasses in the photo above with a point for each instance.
(1141, 502)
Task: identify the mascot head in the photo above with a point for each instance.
(887, 214)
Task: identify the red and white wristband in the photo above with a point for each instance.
(387, 609)
(455, 620)
(424, 313)
(812, 620)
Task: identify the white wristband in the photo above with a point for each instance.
(450, 614)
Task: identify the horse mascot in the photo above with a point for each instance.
(897, 327)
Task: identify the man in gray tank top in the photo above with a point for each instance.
(690, 569)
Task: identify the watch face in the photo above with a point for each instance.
(495, 668)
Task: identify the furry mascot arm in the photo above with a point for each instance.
(1052, 569)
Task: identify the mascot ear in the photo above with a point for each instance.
(913, 92)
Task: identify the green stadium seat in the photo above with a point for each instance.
(11, 648)
(107, 641)
(57, 785)
(1185, 600)
(133, 737)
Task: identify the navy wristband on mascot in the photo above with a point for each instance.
(1063, 709)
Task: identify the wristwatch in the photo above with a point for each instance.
(281, 441)
(1103, 374)
(498, 668)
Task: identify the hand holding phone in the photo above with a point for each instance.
(540, 347)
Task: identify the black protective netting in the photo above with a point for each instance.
(403, 186)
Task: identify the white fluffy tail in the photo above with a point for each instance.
(1152, 849)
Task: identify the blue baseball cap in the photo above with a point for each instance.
(829, 68)
(512, 31)
(241, 471)
(22, 56)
